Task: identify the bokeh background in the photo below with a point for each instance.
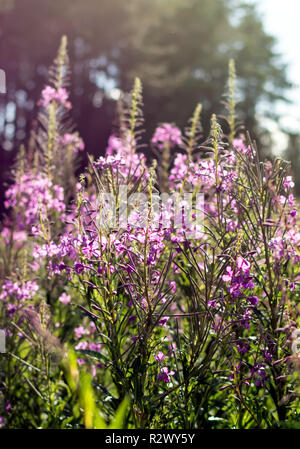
(180, 50)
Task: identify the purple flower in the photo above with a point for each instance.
(78, 267)
(159, 357)
(245, 321)
(253, 300)
(172, 285)
(259, 375)
(268, 356)
(164, 375)
(8, 407)
(163, 321)
(242, 347)
(2, 421)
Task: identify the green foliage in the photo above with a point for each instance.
(92, 279)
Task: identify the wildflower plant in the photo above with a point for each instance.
(149, 293)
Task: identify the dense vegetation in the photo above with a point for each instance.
(178, 48)
(128, 310)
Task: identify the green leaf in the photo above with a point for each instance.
(119, 419)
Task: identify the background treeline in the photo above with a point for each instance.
(179, 48)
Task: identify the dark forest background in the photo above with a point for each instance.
(179, 48)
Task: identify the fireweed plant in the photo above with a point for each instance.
(120, 307)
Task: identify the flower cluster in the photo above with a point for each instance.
(16, 295)
(73, 141)
(32, 195)
(155, 304)
(167, 134)
(60, 96)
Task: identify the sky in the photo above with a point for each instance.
(282, 19)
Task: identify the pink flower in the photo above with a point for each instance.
(239, 144)
(159, 357)
(167, 133)
(110, 161)
(288, 183)
(81, 361)
(60, 96)
(172, 285)
(65, 299)
(18, 236)
(82, 345)
(227, 277)
(95, 347)
(79, 332)
(72, 140)
(242, 264)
